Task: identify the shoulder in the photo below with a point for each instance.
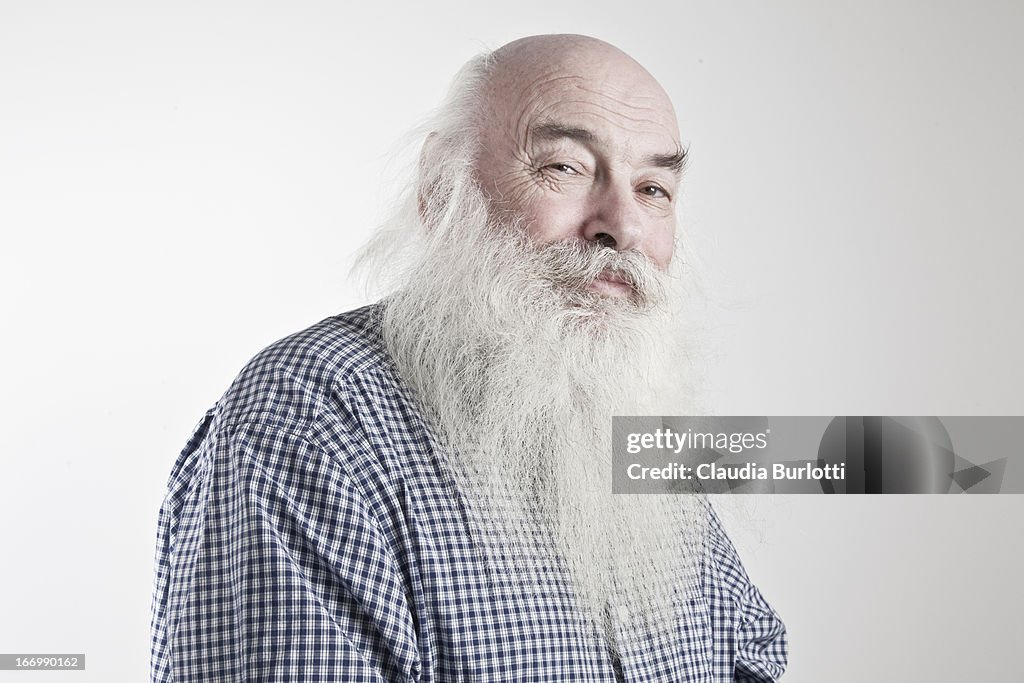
(296, 381)
(326, 397)
(321, 405)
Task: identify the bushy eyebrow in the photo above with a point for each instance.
(556, 131)
(673, 161)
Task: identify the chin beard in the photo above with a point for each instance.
(519, 368)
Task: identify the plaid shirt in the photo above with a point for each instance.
(311, 533)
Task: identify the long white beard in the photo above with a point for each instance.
(520, 368)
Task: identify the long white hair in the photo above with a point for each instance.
(442, 179)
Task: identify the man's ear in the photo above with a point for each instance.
(424, 187)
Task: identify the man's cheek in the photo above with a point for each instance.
(553, 220)
(663, 247)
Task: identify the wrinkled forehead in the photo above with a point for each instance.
(603, 93)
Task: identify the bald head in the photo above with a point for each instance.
(580, 142)
(570, 61)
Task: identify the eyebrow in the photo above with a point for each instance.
(557, 131)
(673, 161)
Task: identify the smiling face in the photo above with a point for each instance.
(581, 143)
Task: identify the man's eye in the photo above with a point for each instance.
(654, 191)
(563, 168)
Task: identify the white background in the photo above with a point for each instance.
(183, 183)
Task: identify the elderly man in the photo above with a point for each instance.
(420, 490)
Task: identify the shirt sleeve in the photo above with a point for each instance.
(271, 567)
(747, 629)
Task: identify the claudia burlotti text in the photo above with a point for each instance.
(669, 441)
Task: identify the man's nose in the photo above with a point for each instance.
(613, 219)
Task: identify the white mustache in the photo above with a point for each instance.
(577, 263)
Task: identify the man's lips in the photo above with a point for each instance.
(610, 283)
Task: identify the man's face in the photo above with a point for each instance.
(583, 147)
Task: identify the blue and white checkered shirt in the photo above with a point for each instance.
(311, 533)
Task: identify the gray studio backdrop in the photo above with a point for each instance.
(183, 183)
